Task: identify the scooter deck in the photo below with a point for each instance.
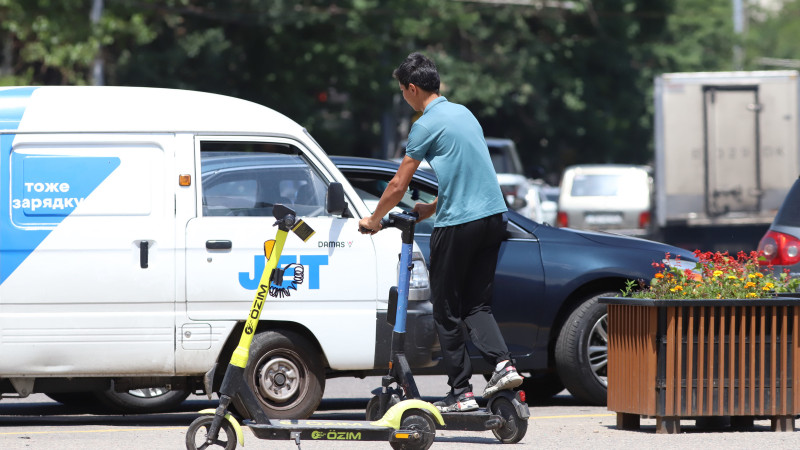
(479, 420)
(333, 430)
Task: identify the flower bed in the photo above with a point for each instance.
(701, 343)
(715, 276)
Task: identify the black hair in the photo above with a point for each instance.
(419, 70)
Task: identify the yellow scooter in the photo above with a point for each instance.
(410, 424)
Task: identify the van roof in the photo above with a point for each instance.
(133, 109)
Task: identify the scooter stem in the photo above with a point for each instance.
(242, 351)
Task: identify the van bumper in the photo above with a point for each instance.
(420, 339)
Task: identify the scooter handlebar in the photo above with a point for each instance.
(395, 219)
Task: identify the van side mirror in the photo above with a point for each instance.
(334, 201)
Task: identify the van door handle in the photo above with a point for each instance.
(219, 245)
(144, 248)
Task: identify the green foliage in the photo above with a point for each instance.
(774, 35)
(570, 84)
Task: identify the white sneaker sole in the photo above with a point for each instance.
(509, 381)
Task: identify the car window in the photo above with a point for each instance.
(606, 185)
(247, 179)
(370, 187)
(789, 214)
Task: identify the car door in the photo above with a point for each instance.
(519, 278)
(330, 280)
(88, 264)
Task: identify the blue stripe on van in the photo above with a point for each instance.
(32, 187)
(12, 106)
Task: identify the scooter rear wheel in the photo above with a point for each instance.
(417, 420)
(514, 428)
(198, 430)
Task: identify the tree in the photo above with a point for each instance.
(53, 42)
(569, 84)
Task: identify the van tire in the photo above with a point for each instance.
(585, 328)
(285, 372)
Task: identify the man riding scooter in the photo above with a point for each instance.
(470, 225)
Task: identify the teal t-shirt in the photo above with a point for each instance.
(450, 138)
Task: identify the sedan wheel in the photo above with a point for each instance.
(597, 345)
(582, 351)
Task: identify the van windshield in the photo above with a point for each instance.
(606, 185)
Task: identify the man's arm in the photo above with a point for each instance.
(392, 195)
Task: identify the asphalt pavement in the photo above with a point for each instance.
(561, 423)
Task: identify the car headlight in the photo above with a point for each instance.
(681, 264)
(419, 284)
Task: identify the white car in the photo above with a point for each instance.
(616, 197)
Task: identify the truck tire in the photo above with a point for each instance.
(285, 372)
(581, 351)
(141, 401)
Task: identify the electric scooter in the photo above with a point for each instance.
(410, 424)
(506, 413)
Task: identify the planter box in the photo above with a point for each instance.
(703, 359)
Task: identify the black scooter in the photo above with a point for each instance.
(410, 424)
(506, 413)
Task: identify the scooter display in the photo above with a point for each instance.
(409, 424)
(506, 413)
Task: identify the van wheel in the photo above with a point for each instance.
(582, 351)
(286, 374)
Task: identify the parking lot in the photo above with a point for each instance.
(40, 423)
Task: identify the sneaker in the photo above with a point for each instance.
(505, 378)
(462, 403)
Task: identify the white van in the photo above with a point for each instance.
(132, 224)
(616, 197)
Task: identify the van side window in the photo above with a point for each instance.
(249, 178)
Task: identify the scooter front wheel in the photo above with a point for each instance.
(198, 430)
(374, 411)
(514, 428)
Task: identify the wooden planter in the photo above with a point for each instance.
(703, 359)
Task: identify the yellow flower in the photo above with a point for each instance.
(676, 288)
(751, 275)
(752, 294)
(732, 277)
(749, 284)
(718, 273)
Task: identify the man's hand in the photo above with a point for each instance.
(369, 225)
(425, 210)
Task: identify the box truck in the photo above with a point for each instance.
(726, 154)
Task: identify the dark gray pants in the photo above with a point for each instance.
(463, 261)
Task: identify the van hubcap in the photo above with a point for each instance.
(278, 379)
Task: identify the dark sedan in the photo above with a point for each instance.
(546, 287)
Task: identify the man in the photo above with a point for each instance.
(470, 225)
